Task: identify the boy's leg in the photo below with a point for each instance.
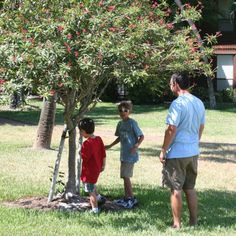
(126, 173)
(93, 200)
(130, 201)
(91, 190)
(128, 187)
(100, 199)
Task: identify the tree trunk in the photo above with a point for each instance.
(71, 183)
(70, 105)
(211, 93)
(209, 81)
(46, 123)
(14, 100)
(79, 165)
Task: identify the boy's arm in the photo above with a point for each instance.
(113, 143)
(140, 140)
(85, 152)
(103, 164)
(136, 145)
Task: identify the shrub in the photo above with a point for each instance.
(200, 92)
(226, 95)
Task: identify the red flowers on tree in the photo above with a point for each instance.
(60, 28)
(111, 8)
(86, 44)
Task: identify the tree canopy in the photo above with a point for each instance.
(72, 47)
(60, 45)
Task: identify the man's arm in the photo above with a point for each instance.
(201, 130)
(168, 138)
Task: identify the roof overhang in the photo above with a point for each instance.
(226, 49)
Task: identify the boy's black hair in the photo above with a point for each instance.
(182, 79)
(125, 104)
(87, 125)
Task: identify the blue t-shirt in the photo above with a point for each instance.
(128, 131)
(187, 113)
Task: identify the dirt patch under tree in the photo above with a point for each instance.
(75, 203)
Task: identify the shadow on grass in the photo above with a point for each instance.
(150, 152)
(216, 208)
(217, 152)
(220, 152)
(137, 109)
(100, 114)
(224, 107)
(19, 118)
(153, 213)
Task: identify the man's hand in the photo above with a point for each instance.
(162, 156)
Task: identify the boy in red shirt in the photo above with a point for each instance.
(93, 156)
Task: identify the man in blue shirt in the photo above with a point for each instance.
(185, 123)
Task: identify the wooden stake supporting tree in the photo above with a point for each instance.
(79, 165)
(57, 164)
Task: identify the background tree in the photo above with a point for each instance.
(71, 48)
(46, 123)
(205, 58)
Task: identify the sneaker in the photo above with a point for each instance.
(94, 211)
(130, 202)
(101, 200)
(119, 202)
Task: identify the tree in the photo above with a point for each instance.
(72, 48)
(205, 58)
(46, 123)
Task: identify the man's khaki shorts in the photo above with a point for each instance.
(126, 169)
(180, 173)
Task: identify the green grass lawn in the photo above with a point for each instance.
(25, 172)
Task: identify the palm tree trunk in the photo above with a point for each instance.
(209, 81)
(46, 123)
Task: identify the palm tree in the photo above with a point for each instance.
(46, 123)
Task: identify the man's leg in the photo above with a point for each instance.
(176, 205)
(191, 197)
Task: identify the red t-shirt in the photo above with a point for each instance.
(92, 152)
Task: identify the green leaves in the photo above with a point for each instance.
(70, 42)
